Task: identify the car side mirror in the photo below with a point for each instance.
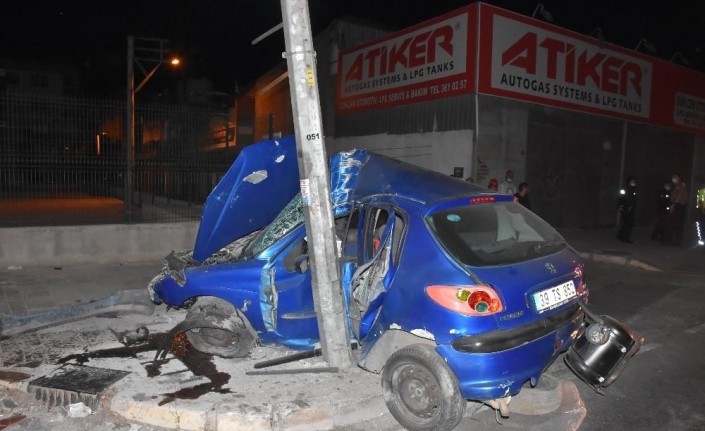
(301, 264)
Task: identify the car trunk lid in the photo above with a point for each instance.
(557, 275)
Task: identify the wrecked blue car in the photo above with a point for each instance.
(452, 292)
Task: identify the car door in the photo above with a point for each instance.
(375, 270)
(286, 298)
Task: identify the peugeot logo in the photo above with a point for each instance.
(549, 266)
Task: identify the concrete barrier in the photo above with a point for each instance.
(63, 245)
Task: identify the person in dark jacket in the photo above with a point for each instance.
(522, 196)
(627, 207)
(663, 203)
(677, 215)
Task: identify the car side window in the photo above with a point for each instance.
(346, 229)
(396, 237)
(376, 222)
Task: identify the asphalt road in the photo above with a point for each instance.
(663, 387)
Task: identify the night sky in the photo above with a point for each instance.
(213, 36)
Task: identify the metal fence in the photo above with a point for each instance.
(63, 160)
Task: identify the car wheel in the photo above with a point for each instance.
(421, 391)
(235, 342)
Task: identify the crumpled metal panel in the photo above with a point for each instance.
(253, 191)
(345, 168)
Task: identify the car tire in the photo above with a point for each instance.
(236, 343)
(421, 391)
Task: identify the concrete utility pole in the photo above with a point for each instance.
(315, 184)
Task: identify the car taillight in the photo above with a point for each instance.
(582, 289)
(468, 300)
(482, 200)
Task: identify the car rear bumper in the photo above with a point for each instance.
(499, 341)
(497, 364)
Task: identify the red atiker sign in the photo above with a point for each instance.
(548, 65)
(432, 60)
(520, 58)
(525, 59)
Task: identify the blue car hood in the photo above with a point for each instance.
(261, 181)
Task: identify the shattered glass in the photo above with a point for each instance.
(291, 217)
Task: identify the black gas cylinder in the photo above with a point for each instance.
(602, 351)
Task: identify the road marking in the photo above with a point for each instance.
(650, 346)
(695, 329)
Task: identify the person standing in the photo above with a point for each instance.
(507, 187)
(663, 204)
(492, 185)
(627, 208)
(700, 217)
(522, 196)
(679, 201)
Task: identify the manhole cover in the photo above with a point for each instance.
(616, 252)
(71, 384)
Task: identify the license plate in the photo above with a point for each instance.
(554, 297)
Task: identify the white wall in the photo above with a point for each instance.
(502, 142)
(438, 151)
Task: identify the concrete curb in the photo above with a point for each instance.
(618, 260)
(227, 416)
(133, 301)
(230, 417)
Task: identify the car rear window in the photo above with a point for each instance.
(497, 233)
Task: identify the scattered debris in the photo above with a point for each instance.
(57, 268)
(288, 358)
(128, 338)
(198, 363)
(14, 267)
(78, 410)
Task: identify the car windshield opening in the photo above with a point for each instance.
(494, 234)
(291, 217)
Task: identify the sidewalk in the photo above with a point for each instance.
(31, 290)
(601, 245)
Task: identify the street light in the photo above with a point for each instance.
(643, 43)
(175, 61)
(600, 37)
(152, 51)
(678, 56)
(544, 13)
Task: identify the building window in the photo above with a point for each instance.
(12, 78)
(39, 81)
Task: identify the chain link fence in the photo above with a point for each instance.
(63, 160)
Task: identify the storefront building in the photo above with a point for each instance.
(482, 90)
